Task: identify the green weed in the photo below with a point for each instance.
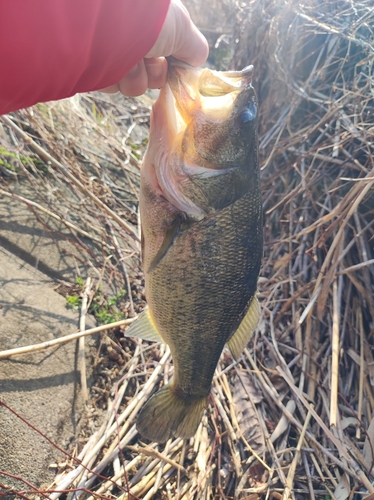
(105, 309)
(7, 160)
(73, 302)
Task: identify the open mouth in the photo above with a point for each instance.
(210, 92)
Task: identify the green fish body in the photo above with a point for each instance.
(201, 220)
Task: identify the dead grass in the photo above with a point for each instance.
(293, 418)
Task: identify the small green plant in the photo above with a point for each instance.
(135, 149)
(107, 310)
(73, 302)
(106, 317)
(79, 281)
(7, 165)
(9, 160)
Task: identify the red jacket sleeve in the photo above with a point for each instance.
(51, 49)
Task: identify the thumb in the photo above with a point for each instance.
(179, 37)
(192, 47)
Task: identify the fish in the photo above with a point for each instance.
(202, 237)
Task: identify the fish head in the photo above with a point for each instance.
(203, 140)
(218, 111)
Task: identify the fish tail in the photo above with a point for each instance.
(166, 415)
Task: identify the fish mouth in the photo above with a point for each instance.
(245, 75)
(204, 90)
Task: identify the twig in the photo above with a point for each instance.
(362, 371)
(292, 469)
(123, 265)
(150, 452)
(62, 340)
(307, 470)
(335, 357)
(356, 267)
(81, 350)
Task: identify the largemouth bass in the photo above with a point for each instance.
(201, 218)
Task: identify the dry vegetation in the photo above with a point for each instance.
(293, 418)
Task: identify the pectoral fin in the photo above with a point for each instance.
(170, 234)
(144, 328)
(243, 334)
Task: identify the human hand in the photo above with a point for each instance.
(180, 38)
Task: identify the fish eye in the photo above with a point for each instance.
(247, 116)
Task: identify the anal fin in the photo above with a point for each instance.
(144, 328)
(244, 332)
